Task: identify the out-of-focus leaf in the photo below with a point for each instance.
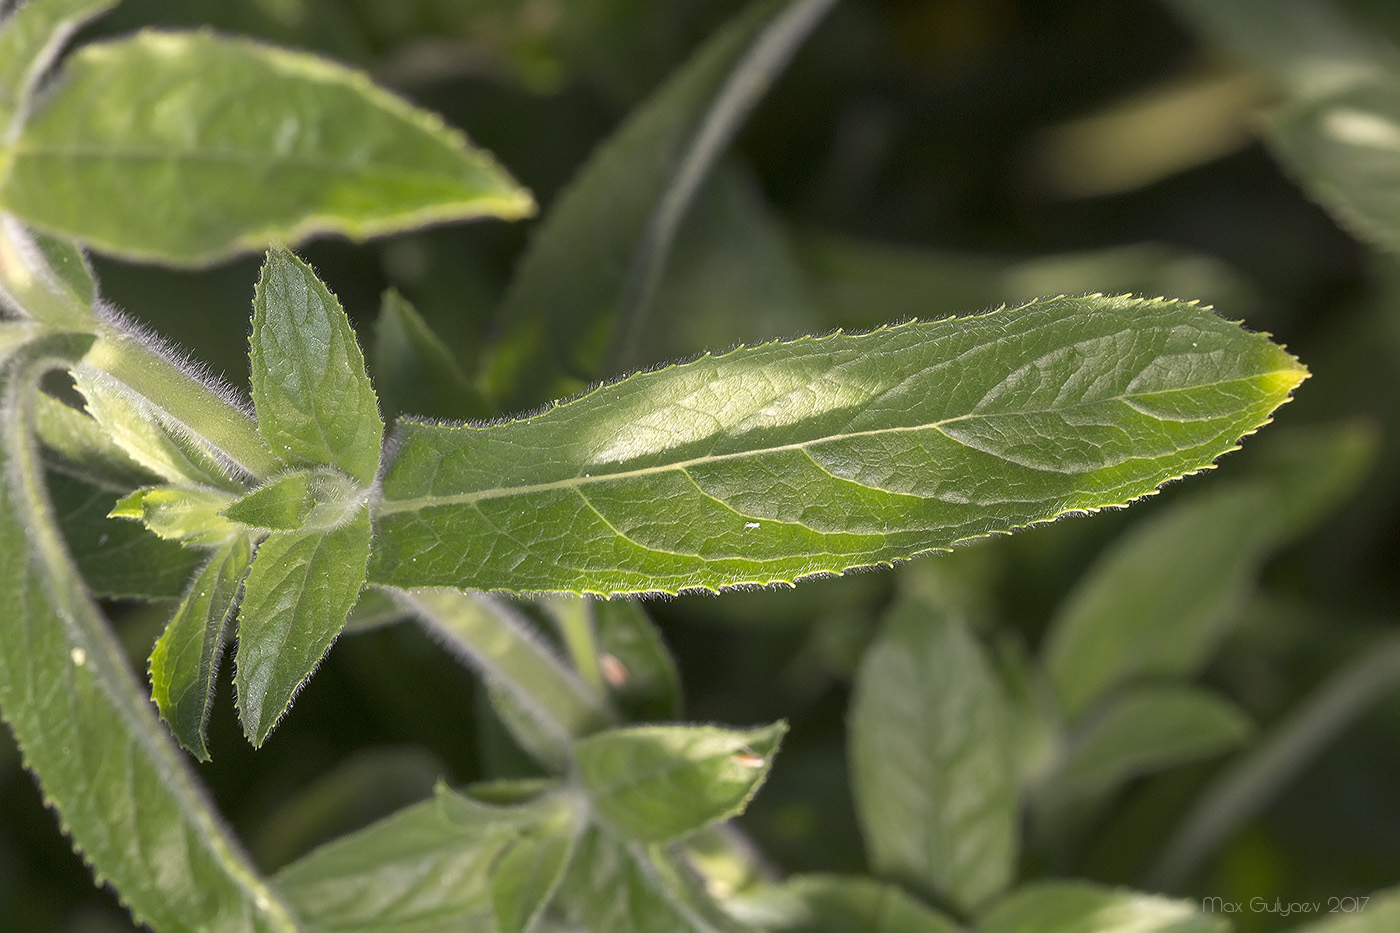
(104, 761)
(816, 456)
(590, 269)
(86, 451)
(226, 145)
(525, 878)
(295, 602)
(639, 671)
(1158, 602)
(1080, 907)
(932, 766)
(314, 401)
(605, 889)
(44, 277)
(660, 783)
(1146, 730)
(842, 904)
(185, 659)
(414, 370)
(30, 39)
(426, 868)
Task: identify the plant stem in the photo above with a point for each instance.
(496, 640)
(574, 616)
(184, 399)
(1248, 786)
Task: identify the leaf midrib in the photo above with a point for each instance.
(394, 506)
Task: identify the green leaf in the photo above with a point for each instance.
(605, 888)
(85, 450)
(639, 671)
(313, 398)
(1378, 913)
(295, 603)
(188, 514)
(1159, 600)
(134, 426)
(122, 789)
(30, 39)
(414, 370)
(226, 145)
(586, 280)
(932, 763)
(310, 499)
(118, 559)
(823, 454)
(843, 904)
(1080, 907)
(426, 869)
(185, 659)
(524, 880)
(660, 783)
(1145, 730)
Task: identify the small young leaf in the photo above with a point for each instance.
(134, 426)
(606, 889)
(30, 38)
(1145, 730)
(843, 904)
(227, 145)
(932, 765)
(527, 875)
(660, 783)
(590, 263)
(820, 455)
(309, 499)
(414, 370)
(118, 559)
(314, 401)
(1080, 907)
(428, 867)
(188, 514)
(185, 659)
(1159, 600)
(298, 595)
(639, 671)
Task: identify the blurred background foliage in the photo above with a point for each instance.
(918, 158)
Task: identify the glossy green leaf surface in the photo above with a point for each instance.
(1080, 907)
(1145, 730)
(314, 401)
(587, 268)
(658, 783)
(1159, 600)
(786, 460)
(931, 757)
(844, 904)
(212, 146)
(296, 599)
(186, 657)
(85, 726)
(30, 38)
(426, 869)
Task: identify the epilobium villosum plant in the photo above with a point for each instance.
(266, 529)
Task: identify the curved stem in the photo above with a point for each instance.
(1248, 786)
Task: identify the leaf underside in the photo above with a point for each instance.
(773, 463)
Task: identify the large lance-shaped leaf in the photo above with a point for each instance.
(1079, 907)
(1364, 914)
(932, 765)
(205, 146)
(587, 278)
(777, 462)
(30, 38)
(843, 904)
(85, 727)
